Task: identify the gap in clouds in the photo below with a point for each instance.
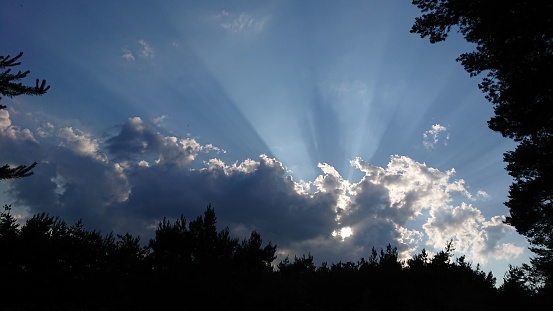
(131, 180)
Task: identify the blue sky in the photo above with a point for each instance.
(326, 126)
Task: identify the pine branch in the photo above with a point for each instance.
(9, 85)
(7, 172)
(6, 61)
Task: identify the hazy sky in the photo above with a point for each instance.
(324, 125)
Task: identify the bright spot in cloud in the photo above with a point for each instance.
(344, 232)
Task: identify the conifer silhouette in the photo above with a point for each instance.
(11, 86)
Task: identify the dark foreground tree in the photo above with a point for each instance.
(11, 86)
(514, 49)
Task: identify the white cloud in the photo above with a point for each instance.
(433, 136)
(159, 120)
(243, 23)
(453, 222)
(491, 233)
(411, 186)
(5, 121)
(146, 50)
(80, 142)
(471, 232)
(127, 54)
(46, 130)
(482, 195)
(13, 132)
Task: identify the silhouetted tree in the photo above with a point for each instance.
(300, 266)
(514, 48)
(297, 283)
(8, 224)
(210, 248)
(515, 282)
(128, 253)
(11, 87)
(9, 251)
(170, 247)
(49, 265)
(439, 282)
(200, 259)
(389, 258)
(251, 255)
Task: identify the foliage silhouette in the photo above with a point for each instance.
(514, 49)
(11, 87)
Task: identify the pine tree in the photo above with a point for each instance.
(11, 86)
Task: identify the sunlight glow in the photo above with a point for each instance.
(344, 232)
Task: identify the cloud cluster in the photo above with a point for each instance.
(130, 180)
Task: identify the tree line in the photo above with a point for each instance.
(47, 264)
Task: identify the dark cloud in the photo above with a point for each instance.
(133, 140)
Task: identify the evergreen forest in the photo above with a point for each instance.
(47, 264)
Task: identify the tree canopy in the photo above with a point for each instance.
(514, 52)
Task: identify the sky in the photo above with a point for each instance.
(325, 126)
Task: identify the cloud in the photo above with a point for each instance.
(242, 23)
(482, 195)
(491, 233)
(432, 136)
(46, 130)
(13, 132)
(18, 145)
(5, 121)
(127, 54)
(145, 49)
(472, 234)
(139, 141)
(138, 175)
(80, 142)
(159, 120)
(356, 87)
